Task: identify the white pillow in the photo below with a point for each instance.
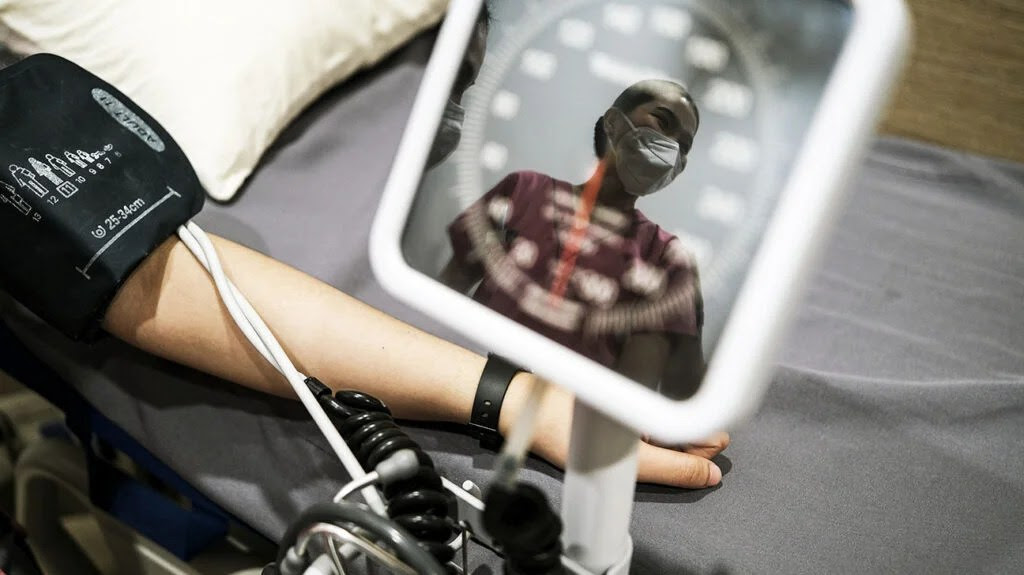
(224, 77)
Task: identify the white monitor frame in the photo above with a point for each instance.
(739, 373)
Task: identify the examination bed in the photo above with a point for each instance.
(892, 438)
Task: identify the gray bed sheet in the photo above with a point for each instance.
(891, 441)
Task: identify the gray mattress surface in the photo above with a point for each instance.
(891, 441)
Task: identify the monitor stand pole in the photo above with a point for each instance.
(597, 499)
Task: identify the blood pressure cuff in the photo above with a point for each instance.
(90, 184)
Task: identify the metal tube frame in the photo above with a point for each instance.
(597, 500)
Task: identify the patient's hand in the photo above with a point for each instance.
(687, 466)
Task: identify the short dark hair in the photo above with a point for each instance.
(486, 17)
(630, 99)
(600, 138)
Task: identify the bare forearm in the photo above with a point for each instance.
(458, 277)
(686, 368)
(643, 358)
(170, 308)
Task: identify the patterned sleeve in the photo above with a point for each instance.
(684, 314)
(490, 213)
(674, 304)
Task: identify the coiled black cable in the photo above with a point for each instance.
(346, 513)
(419, 504)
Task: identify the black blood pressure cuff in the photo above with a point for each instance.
(90, 184)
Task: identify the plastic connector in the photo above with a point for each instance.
(317, 387)
(404, 464)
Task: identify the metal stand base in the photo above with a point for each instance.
(597, 499)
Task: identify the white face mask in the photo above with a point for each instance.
(448, 134)
(646, 160)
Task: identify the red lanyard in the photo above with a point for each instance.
(581, 222)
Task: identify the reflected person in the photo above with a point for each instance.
(449, 132)
(620, 290)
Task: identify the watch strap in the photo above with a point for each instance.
(490, 394)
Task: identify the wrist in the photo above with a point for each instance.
(495, 380)
(551, 429)
(515, 398)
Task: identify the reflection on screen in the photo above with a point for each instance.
(604, 171)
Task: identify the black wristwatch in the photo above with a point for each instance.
(490, 393)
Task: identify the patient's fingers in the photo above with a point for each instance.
(706, 448)
(710, 447)
(670, 467)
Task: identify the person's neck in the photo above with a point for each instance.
(612, 193)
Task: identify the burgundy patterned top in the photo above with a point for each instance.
(631, 276)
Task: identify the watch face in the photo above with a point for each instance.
(554, 210)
